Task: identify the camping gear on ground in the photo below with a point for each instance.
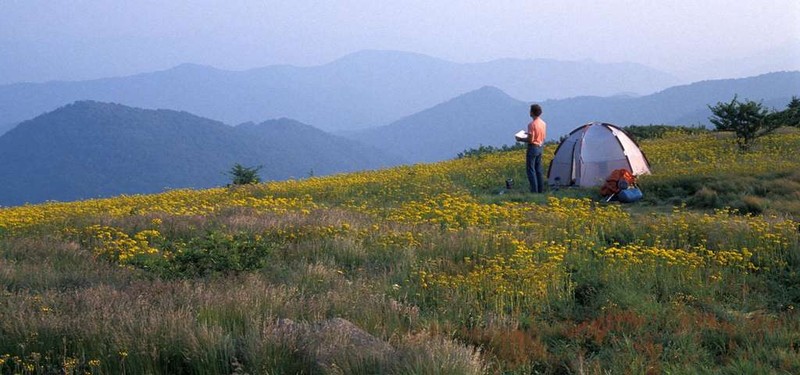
(621, 185)
(591, 152)
(629, 195)
(619, 179)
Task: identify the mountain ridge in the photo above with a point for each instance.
(411, 137)
(490, 117)
(93, 149)
(359, 90)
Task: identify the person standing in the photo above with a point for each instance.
(537, 130)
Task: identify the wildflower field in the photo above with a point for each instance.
(457, 274)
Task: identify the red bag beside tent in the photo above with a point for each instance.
(613, 181)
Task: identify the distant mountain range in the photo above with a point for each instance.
(490, 117)
(364, 89)
(486, 116)
(679, 105)
(91, 149)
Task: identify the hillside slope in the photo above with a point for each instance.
(293, 149)
(90, 149)
(486, 116)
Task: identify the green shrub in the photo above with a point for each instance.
(241, 175)
(748, 120)
(214, 253)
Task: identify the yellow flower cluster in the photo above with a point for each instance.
(699, 257)
(455, 212)
(768, 237)
(277, 205)
(175, 202)
(577, 217)
(522, 279)
(35, 363)
(117, 245)
(680, 154)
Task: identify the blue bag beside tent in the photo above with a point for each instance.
(629, 195)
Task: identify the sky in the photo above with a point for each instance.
(83, 39)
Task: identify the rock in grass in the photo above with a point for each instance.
(332, 344)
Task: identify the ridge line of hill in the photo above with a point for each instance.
(92, 149)
(489, 117)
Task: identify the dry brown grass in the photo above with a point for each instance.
(38, 264)
(161, 326)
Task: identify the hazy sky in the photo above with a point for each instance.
(76, 39)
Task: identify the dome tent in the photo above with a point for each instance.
(591, 152)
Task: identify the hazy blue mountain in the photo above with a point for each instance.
(490, 117)
(294, 149)
(679, 105)
(91, 149)
(6, 127)
(360, 90)
(486, 116)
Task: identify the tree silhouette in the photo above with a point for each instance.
(241, 175)
(748, 120)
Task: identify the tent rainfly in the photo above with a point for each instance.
(591, 152)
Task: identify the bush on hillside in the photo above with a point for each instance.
(748, 120)
(213, 253)
(241, 175)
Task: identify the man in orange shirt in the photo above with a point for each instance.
(537, 130)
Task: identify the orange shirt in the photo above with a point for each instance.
(537, 130)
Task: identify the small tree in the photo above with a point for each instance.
(241, 175)
(748, 120)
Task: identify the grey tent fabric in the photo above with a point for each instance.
(591, 152)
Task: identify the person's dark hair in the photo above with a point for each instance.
(536, 110)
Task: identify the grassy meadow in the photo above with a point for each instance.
(456, 274)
